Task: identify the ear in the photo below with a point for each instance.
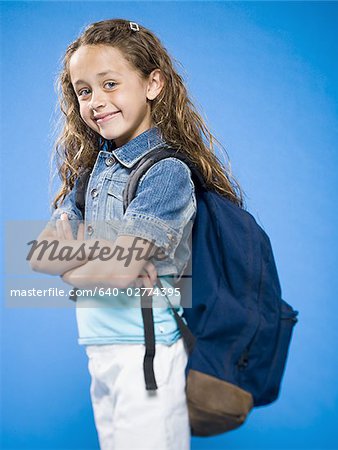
(155, 84)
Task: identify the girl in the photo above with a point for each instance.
(121, 98)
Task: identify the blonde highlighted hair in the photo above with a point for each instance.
(172, 111)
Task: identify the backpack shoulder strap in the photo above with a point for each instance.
(80, 194)
(148, 161)
(129, 193)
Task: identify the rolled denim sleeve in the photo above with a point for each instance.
(164, 203)
(69, 207)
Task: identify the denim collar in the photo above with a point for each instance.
(131, 152)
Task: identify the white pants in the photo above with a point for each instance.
(127, 416)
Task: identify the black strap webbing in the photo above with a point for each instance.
(149, 339)
(148, 322)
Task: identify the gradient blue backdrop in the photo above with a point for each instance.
(265, 78)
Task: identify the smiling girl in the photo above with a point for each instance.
(121, 98)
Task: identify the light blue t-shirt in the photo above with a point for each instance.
(118, 319)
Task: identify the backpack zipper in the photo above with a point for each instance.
(243, 360)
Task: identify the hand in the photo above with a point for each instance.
(94, 273)
(147, 277)
(64, 229)
(67, 277)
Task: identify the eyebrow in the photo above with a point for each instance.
(101, 74)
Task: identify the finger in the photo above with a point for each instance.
(140, 279)
(154, 276)
(135, 283)
(147, 283)
(152, 272)
(80, 232)
(59, 230)
(67, 229)
(139, 282)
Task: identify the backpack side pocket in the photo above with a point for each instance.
(288, 319)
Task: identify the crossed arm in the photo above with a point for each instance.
(87, 273)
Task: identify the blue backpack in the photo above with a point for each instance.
(239, 328)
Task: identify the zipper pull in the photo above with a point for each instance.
(243, 360)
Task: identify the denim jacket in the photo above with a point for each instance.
(162, 211)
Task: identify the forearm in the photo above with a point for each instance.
(111, 268)
(98, 274)
(55, 256)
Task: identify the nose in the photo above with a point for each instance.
(97, 100)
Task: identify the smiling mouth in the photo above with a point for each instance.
(107, 117)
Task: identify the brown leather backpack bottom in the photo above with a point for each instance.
(215, 406)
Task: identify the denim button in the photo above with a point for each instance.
(94, 193)
(171, 237)
(90, 230)
(110, 161)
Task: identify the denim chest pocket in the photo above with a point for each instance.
(114, 205)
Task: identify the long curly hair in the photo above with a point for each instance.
(181, 126)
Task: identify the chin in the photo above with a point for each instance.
(119, 139)
(111, 135)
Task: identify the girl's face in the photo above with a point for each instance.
(112, 96)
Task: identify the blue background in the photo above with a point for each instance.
(265, 77)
